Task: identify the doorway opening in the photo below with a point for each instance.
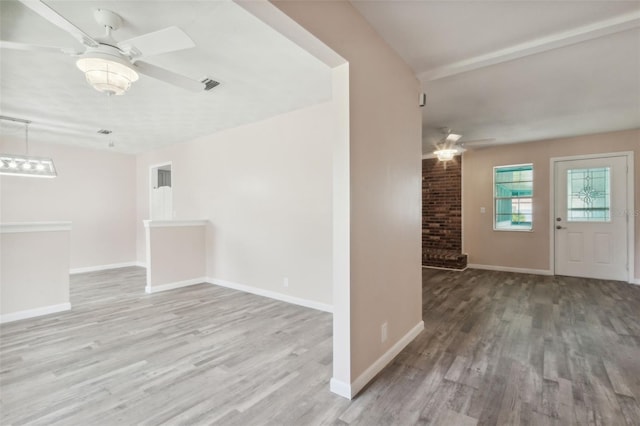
(161, 192)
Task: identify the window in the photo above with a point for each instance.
(512, 195)
(589, 195)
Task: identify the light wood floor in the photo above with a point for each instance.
(498, 348)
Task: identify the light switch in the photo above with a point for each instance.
(483, 210)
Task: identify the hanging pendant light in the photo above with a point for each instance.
(25, 165)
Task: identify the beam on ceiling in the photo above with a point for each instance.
(592, 31)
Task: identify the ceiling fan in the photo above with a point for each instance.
(111, 66)
(450, 145)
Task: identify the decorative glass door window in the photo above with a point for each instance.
(589, 195)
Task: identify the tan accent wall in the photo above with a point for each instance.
(529, 250)
(385, 177)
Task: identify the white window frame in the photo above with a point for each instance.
(527, 229)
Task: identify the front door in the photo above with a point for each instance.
(590, 222)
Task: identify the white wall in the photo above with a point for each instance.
(34, 270)
(176, 254)
(94, 190)
(266, 190)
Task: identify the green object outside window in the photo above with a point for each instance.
(513, 192)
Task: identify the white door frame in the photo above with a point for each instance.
(150, 185)
(628, 213)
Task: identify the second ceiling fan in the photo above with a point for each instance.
(450, 145)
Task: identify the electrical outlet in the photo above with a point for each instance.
(383, 332)
(285, 282)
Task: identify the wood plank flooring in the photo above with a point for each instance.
(498, 349)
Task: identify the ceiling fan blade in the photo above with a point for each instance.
(56, 19)
(452, 138)
(170, 77)
(479, 143)
(167, 40)
(31, 47)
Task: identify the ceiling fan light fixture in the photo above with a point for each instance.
(445, 154)
(107, 74)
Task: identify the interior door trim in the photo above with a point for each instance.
(630, 206)
(150, 185)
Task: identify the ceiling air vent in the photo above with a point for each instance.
(105, 132)
(209, 84)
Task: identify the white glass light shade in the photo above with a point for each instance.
(22, 165)
(445, 154)
(106, 75)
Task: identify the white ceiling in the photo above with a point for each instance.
(515, 71)
(262, 74)
(498, 72)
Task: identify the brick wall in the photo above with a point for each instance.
(441, 210)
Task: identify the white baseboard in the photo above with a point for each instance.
(349, 391)
(510, 269)
(340, 388)
(445, 269)
(37, 312)
(272, 295)
(102, 267)
(172, 286)
(522, 270)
